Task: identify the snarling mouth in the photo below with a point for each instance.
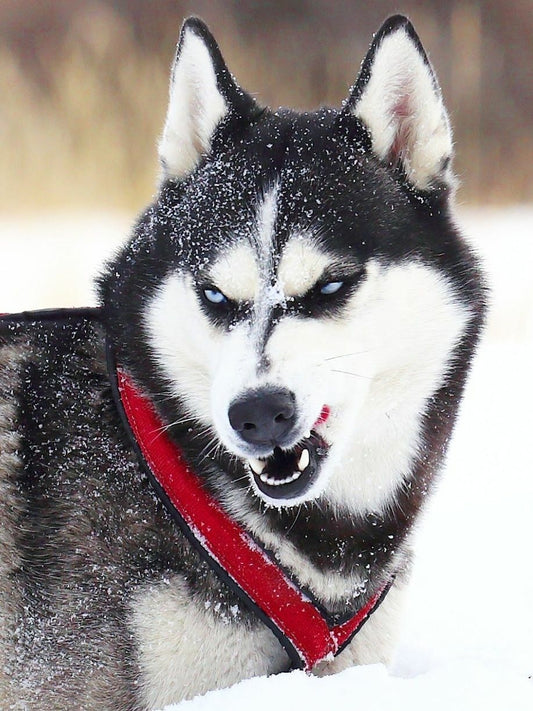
(287, 474)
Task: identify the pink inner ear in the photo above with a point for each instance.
(401, 115)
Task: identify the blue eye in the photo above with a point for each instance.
(214, 296)
(331, 287)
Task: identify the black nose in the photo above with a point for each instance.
(263, 416)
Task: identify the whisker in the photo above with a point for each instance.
(209, 448)
(198, 433)
(244, 477)
(347, 372)
(179, 421)
(347, 355)
(295, 519)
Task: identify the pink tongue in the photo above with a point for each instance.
(324, 414)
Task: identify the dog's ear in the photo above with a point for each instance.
(398, 98)
(202, 94)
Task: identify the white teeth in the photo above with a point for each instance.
(307, 435)
(304, 460)
(278, 482)
(257, 465)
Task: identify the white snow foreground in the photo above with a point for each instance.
(467, 637)
(456, 686)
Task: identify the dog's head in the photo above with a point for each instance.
(297, 289)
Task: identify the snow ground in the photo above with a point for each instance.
(467, 635)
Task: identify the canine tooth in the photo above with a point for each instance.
(257, 465)
(304, 460)
(308, 435)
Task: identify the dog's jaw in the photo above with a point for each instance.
(288, 478)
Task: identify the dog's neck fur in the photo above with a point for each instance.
(331, 551)
(308, 632)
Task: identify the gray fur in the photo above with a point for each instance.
(82, 532)
(11, 359)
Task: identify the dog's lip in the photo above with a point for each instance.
(289, 473)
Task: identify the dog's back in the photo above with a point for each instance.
(63, 469)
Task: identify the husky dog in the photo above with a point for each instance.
(299, 308)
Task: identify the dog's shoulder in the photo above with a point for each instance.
(54, 389)
(48, 337)
(73, 459)
(32, 332)
(49, 349)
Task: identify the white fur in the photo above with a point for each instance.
(195, 109)
(186, 650)
(375, 641)
(401, 326)
(267, 212)
(206, 368)
(183, 342)
(332, 587)
(376, 368)
(302, 264)
(402, 104)
(269, 292)
(236, 273)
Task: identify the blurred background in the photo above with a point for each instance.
(83, 85)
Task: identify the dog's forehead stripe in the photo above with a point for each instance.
(266, 222)
(239, 270)
(246, 268)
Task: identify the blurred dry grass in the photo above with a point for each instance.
(88, 137)
(80, 127)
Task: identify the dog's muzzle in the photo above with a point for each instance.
(282, 469)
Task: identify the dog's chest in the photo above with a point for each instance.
(187, 648)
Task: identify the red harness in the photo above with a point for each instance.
(298, 623)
